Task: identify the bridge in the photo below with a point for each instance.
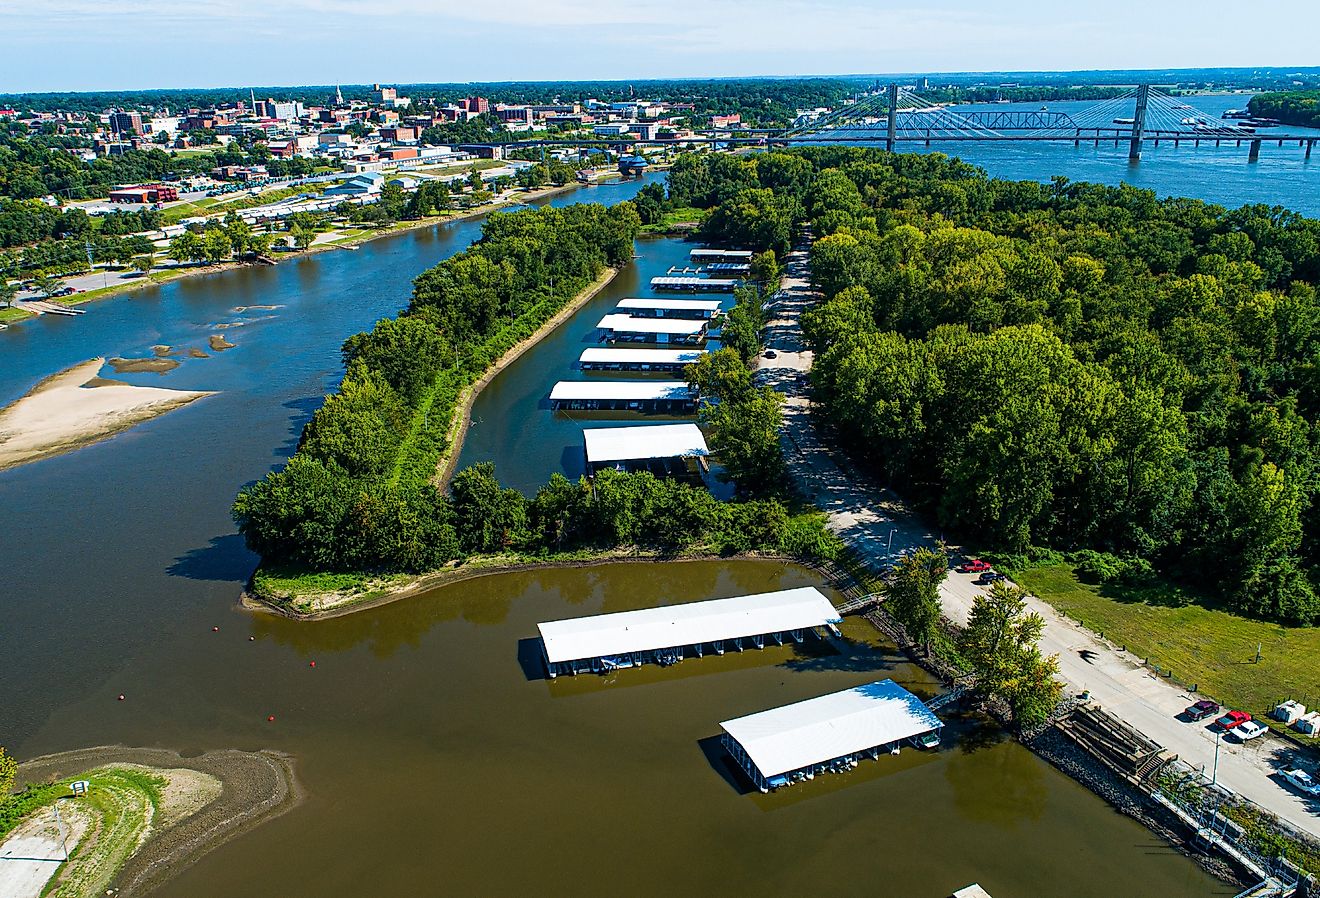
(896, 115)
(1140, 116)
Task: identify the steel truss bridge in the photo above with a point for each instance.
(1136, 117)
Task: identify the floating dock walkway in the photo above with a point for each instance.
(827, 734)
(668, 634)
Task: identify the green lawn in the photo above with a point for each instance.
(673, 218)
(11, 314)
(1202, 645)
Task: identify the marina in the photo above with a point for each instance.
(659, 307)
(828, 734)
(694, 284)
(672, 396)
(629, 329)
(668, 634)
(667, 360)
(706, 254)
(664, 446)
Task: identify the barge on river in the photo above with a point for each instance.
(827, 734)
(600, 358)
(668, 634)
(655, 396)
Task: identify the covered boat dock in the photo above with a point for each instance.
(830, 733)
(646, 446)
(694, 284)
(599, 358)
(624, 395)
(720, 255)
(670, 308)
(627, 329)
(670, 633)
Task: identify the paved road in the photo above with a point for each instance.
(876, 523)
(35, 850)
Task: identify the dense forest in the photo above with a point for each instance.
(1061, 365)
(1299, 107)
(360, 492)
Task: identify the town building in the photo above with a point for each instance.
(126, 123)
(145, 194)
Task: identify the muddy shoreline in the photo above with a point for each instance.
(255, 787)
(389, 593)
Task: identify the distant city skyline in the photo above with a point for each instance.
(68, 45)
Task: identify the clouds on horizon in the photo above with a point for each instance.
(100, 44)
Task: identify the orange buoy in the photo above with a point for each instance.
(313, 664)
(215, 629)
(271, 718)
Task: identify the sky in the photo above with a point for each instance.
(135, 44)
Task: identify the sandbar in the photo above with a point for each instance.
(75, 408)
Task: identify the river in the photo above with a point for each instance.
(433, 757)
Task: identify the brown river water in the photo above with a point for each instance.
(434, 757)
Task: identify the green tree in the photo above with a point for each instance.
(745, 436)
(144, 264)
(187, 247)
(302, 238)
(912, 595)
(216, 246)
(8, 772)
(8, 292)
(46, 284)
(1000, 644)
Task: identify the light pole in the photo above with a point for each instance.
(889, 547)
(1214, 776)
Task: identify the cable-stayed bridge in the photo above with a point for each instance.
(1138, 116)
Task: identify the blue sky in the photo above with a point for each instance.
(110, 44)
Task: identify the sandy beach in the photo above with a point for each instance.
(75, 408)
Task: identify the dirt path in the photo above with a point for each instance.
(877, 524)
(74, 408)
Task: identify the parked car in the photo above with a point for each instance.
(1303, 781)
(1202, 709)
(1249, 729)
(990, 577)
(974, 566)
(64, 291)
(1232, 719)
(771, 354)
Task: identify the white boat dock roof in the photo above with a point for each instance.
(626, 324)
(722, 255)
(611, 444)
(630, 390)
(693, 305)
(663, 282)
(609, 635)
(600, 355)
(830, 726)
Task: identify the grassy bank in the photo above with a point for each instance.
(121, 804)
(683, 219)
(308, 595)
(1201, 645)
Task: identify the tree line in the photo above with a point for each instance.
(1297, 107)
(360, 491)
(1064, 365)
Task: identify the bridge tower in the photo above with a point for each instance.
(893, 117)
(1138, 123)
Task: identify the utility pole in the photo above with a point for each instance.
(1214, 777)
(1138, 123)
(893, 116)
